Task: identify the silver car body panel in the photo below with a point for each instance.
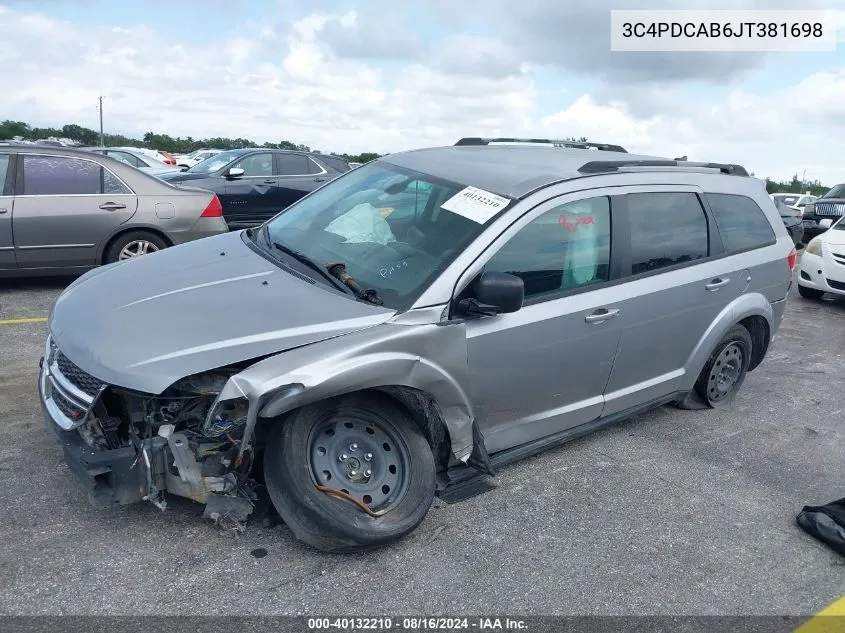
(216, 302)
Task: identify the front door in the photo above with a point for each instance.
(253, 197)
(65, 208)
(544, 368)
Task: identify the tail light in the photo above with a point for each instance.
(214, 209)
(793, 257)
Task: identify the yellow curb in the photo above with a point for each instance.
(831, 619)
(28, 320)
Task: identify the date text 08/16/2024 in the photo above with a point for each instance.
(416, 624)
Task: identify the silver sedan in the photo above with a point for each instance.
(142, 161)
(68, 211)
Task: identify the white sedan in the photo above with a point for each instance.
(196, 157)
(822, 267)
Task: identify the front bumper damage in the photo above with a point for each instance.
(120, 468)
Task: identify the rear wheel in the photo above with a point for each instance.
(725, 370)
(350, 473)
(134, 244)
(809, 293)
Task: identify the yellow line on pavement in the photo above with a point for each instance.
(28, 320)
(831, 619)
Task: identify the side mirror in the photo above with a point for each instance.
(235, 172)
(495, 293)
(825, 224)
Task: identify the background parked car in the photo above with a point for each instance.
(189, 160)
(136, 159)
(255, 184)
(64, 210)
(154, 154)
(791, 219)
(831, 206)
(795, 201)
(822, 266)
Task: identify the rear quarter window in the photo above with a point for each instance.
(334, 162)
(741, 222)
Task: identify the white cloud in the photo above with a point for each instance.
(286, 83)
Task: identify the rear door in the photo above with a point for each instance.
(298, 176)
(65, 208)
(254, 197)
(676, 284)
(7, 201)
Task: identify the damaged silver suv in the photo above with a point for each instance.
(410, 327)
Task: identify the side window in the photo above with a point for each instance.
(293, 165)
(123, 157)
(60, 176)
(742, 223)
(113, 185)
(4, 171)
(565, 248)
(666, 229)
(256, 165)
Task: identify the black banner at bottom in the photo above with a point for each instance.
(362, 624)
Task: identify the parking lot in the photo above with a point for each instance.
(682, 512)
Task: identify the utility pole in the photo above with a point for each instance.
(102, 144)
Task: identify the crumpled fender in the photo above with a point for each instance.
(431, 357)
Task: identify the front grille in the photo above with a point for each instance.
(836, 284)
(836, 209)
(80, 379)
(68, 409)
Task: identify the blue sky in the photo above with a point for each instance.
(403, 75)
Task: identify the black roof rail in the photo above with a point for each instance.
(607, 147)
(602, 166)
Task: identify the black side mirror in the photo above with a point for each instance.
(495, 293)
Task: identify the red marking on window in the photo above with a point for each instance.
(572, 222)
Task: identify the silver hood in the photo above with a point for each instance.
(145, 323)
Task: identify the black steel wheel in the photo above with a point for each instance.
(350, 473)
(725, 370)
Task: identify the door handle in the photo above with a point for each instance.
(2, 211)
(319, 179)
(269, 182)
(112, 206)
(717, 283)
(602, 314)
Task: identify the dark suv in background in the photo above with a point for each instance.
(831, 206)
(255, 184)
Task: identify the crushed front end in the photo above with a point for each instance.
(125, 446)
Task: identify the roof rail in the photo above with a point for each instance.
(607, 147)
(602, 166)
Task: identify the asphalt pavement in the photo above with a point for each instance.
(671, 512)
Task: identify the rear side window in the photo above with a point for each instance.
(338, 164)
(63, 176)
(666, 229)
(742, 223)
(293, 165)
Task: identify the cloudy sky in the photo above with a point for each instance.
(381, 75)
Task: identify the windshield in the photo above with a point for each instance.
(837, 192)
(386, 224)
(216, 162)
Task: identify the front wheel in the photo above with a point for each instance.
(725, 370)
(350, 473)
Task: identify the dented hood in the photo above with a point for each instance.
(147, 322)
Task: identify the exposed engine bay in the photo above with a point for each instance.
(183, 443)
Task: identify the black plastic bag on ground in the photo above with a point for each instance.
(826, 523)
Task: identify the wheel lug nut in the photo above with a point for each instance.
(368, 472)
(368, 456)
(343, 457)
(353, 447)
(353, 473)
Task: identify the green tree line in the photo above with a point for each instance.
(796, 185)
(164, 142)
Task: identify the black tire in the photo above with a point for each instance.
(809, 293)
(725, 370)
(334, 524)
(122, 241)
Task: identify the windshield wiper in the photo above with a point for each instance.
(302, 258)
(338, 270)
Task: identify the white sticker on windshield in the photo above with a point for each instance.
(476, 204)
